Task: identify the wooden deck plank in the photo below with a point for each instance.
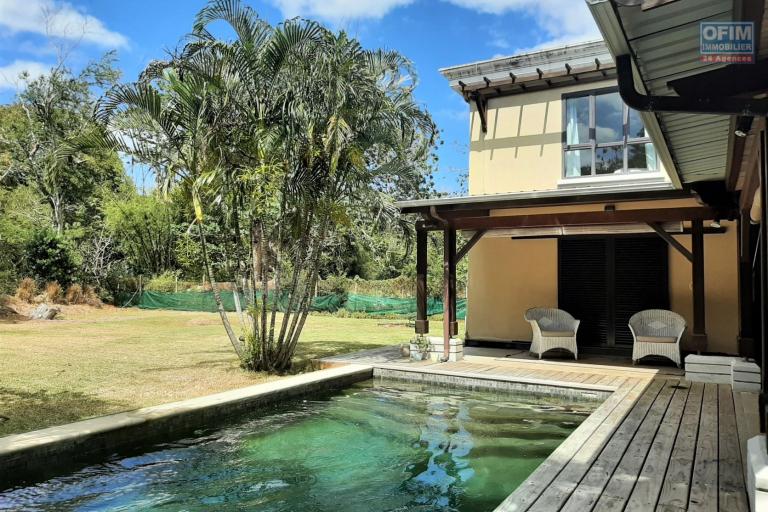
(704, 479)
(731, 490)
(624, 479)
(575, 376)
(677, 481)
(591, 470)
(646, 493)
(747, 422)
(595, 430)
(593, 378)
(607, 379)
(587, 492)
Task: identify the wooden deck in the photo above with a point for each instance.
(658, 442)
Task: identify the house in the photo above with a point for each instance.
(578, 208)
(609, 177)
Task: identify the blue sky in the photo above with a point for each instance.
(432, 33)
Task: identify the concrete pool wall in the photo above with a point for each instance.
(37, 455)
(556, 389)
(41, 454)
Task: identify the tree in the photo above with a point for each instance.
(52, 110)
(283, 137)
(51, 257)
(143, 227)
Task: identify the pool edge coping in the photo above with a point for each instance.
(25, 454)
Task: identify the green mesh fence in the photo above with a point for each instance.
(367, 304)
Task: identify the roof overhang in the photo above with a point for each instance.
(485, 203)
(663, 46)
(525, 72)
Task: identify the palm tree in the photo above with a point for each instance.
(283, 135)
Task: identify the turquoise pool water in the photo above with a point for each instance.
(376, 446)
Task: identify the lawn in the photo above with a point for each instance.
(94, 362)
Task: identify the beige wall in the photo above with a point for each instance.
(522, 150)
(721, 288)
(507, 276)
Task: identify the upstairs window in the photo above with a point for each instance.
(603, 136)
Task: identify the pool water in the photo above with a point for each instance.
(375, 446)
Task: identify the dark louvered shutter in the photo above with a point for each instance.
(582, 289)
(642, 280)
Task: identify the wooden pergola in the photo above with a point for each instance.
(481, 216)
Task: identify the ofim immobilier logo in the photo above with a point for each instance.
(728, 41)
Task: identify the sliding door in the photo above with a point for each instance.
(605, 280)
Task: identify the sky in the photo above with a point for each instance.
(34, 34)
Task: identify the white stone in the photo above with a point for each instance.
(455, 349)
(745, 367)
(44, 312)
(746, 377)
(757, 473)
(711, 378)
(746, 386)
(695, 358)
(708, 368)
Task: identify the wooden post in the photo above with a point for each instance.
(699, 337)
(449, 289)
(746, 341)
(422, 324)
(452, 284)
(763, 167)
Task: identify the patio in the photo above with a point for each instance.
(657, 442)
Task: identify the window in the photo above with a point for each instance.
(603, 136)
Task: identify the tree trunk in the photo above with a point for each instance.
(236, 344)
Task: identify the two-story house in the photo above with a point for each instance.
(572, 206)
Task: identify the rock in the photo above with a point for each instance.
(44, 312)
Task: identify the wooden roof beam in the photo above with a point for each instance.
(586, 218)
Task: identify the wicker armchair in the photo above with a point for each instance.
(552, 328)
(657, 332)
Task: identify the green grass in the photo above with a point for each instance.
(95, 362)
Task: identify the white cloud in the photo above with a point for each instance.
(57, 19)
(338, 10)
(10, 74)
(562, 21)
(497, 39)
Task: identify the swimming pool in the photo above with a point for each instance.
(377, 445)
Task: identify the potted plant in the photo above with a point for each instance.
(420, 348)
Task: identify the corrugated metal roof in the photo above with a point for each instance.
(665, 42)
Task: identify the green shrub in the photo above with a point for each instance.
(398, 287)
(165, 282)
(8, 281)
(51, 257)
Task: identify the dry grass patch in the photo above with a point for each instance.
(101, 361)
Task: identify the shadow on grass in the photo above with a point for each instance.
(22, 411)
